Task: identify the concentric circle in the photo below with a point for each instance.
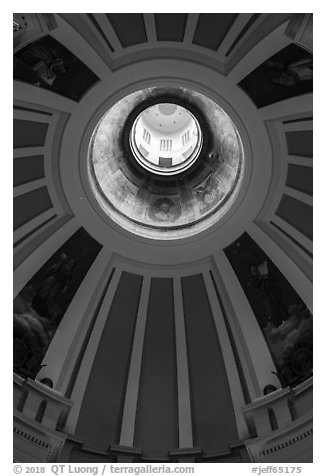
(166, 139)
(156, 205)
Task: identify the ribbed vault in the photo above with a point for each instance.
(159, 344)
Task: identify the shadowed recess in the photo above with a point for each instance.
(170, 26)
(300, 143)
(101, 412)
(212, 28)
(156, 429)
(29, 133)
(30, 205)
(297, 214)
(285, 321)
(129, 28)
(284, 75)
(300, 178)
(213, 418)
(27, 169)
(65, 74)
(41, 304)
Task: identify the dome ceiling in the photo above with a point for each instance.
(153, 205)
(166, 118)
(169, 151)
(156, 292)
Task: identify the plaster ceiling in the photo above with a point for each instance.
(166, 119)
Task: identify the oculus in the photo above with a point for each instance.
(166, 139)
(165, 163)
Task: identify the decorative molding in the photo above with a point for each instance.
(268, 46)
(300, 196)
(231, 35)
(28, 151)
(300, 160)
(184, 398)
(300, 30)
(300, 255)
(79, 389)
(293, 232)
(132, 389)
(79, 46)
(228, 356)
(258, 364)
(191, 25)
(108, 30)
(33, 438)
(34, 223)
(29, 187)
(30, 27)
(26, 270)
(284, 263)
(286, 443)
(33, 443)
(289, 107)
(62, 354)
(42, 97)
(293, 432)
(150, 27)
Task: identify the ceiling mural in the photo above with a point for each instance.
(148, 203)
(47, 64)
(40, 306)
(284, 319)
(163, 237)
(286, 74)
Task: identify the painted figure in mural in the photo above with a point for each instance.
(208, 193)
(32, 334)
(164, 209)
(284, 319)
(38, 65)
(292, 345)
(56, 281)
(263, 281)
(43, 301)
(230, 146)
(291, 73)
(35, 320)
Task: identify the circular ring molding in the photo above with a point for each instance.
(154, 207)
(166, 139)
(165, 73)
